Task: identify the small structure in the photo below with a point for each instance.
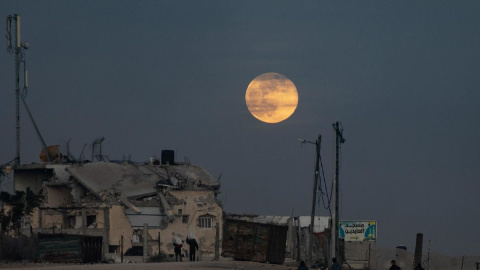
(254, 241)
(274, 238)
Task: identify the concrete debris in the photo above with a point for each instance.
(109, 195)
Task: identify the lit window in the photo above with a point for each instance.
(205, 222)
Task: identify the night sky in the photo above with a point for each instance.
(402, 77)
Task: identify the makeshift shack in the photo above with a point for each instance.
(251, 241)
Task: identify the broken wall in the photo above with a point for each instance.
(194, 211)
(198, 205)
(56, 196)
(51, 218)
(119, 226)
(30, 178)
(361, 254)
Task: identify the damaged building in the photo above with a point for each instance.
(123, 208)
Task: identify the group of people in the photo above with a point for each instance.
(193, 247)
(336, 266)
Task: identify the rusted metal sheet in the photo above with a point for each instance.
(260, 245)
(277, 244)
(59, 248)
(229, 242)
(92, 249)
(69, 248)
(252, 241)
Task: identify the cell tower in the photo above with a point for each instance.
(18, 48)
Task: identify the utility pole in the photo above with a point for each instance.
(428, 255)
(417, 257)
(335, 217)
(314, 197)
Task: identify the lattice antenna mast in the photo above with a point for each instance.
(15, 47)
(19, 48)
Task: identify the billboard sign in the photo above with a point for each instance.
(363, 230)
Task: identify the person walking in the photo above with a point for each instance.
(335, 265)
(302, 266)
(418, 267)
(394, 266)
(192, 242)
(177, 243)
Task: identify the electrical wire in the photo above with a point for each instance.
(325, 205)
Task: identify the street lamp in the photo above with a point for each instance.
(314, 198)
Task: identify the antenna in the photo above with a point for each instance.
(20, 58)
(70, 155)
(15, 19)
(9, 34)
(97, 149)
(81, 158)
(19, 42)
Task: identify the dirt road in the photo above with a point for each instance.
(233, 265)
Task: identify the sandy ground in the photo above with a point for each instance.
(233, 265)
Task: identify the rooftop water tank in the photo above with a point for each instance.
(168, 157)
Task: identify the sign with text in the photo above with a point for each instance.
(364, 230)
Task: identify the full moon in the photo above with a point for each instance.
(271, 97)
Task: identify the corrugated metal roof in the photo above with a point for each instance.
(275, 220)
(321, 222)
(278, 220)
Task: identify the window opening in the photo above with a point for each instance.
(205, 222)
